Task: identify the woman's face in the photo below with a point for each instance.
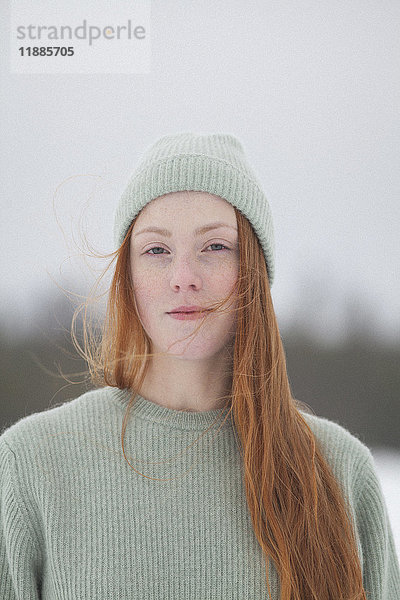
(182, 267)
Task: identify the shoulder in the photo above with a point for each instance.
(59, 445)
(331, 434)
(72, 414)
(344, 451)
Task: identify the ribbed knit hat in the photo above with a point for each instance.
(214, 163)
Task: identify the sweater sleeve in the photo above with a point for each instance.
(381, 573)
(19, 551)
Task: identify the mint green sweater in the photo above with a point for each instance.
(78, 523)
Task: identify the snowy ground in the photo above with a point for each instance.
(388, 468)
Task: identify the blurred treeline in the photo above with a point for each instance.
(354, 382)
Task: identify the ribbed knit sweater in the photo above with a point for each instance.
(78, 523)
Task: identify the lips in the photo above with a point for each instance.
(188, 315)
(187, 309)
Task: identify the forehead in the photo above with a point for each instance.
(189, 207)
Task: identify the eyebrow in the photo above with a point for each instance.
(198, 231)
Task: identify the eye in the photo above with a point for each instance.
(160, 248)
(155, 248)
(216, 244)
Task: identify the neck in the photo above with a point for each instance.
(192, 385)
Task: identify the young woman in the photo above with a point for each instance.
(190, 471)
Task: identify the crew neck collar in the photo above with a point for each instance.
(170, 417)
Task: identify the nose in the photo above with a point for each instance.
(184, 274)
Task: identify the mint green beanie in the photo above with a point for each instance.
(214, 163)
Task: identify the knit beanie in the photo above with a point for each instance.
(214, 163)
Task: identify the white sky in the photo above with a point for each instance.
(310, 88)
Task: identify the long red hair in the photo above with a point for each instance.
(298, 511)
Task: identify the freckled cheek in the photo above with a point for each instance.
(223, 283)
(146, 289)
(142, 278)
(227, 277)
